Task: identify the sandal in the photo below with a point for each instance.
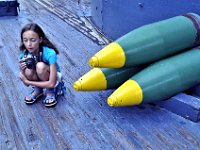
(34, 95)
(50, 99)
(60, 88)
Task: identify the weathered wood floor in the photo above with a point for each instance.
(81, 120)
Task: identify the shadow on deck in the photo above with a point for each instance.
(81, 120)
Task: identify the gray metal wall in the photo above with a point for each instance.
(117, 17)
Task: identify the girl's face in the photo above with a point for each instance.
(31, 41)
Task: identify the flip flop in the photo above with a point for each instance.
(50, 95)
(38, 93)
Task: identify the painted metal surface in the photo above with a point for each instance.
(104, 78)
(160, 81)
(183, 105)
(9, 8)
(80, 120)
(117, 17)
(150, 43)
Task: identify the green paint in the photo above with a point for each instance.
(158, 40)
(170, 76)
(116, 77)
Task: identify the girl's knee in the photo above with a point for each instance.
(42, 71)
(41, 68)
(31, 74)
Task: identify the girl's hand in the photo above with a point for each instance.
(24, 79)
(22, 65)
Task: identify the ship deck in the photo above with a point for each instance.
(80, 120)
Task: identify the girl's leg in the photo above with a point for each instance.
(43, 72)
(31, 75)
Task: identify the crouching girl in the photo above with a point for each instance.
(38, 65)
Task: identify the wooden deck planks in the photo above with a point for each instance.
(81, 120)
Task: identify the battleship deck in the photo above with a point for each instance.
(81, 120)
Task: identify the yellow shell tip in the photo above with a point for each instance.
(94, 62)
(77, 85)
(111, 101)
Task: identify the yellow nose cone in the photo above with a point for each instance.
(94, 61)
(112, 101)
(91, 81)
(111, 56)
(77, 86)
(128, 94)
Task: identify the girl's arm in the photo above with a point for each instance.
(43, 84)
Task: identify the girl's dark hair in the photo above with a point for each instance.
(37, 29)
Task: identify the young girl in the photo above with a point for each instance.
(43, 71)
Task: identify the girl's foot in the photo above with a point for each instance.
(50, 99)
(34, 95)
